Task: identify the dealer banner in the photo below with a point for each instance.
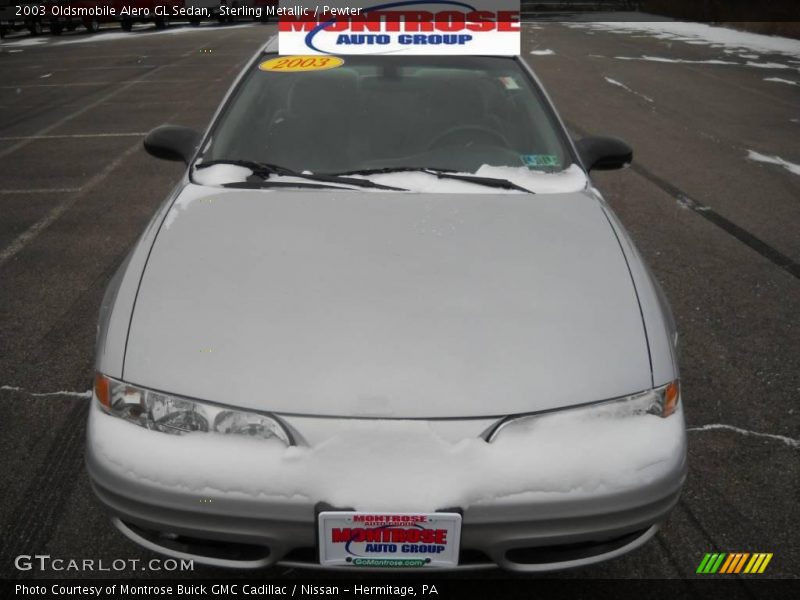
(440, 27)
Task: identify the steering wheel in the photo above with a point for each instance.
(440, 139)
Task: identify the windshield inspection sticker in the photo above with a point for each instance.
(404, 27)
(294, 64)
(509, 83)
(538, 161)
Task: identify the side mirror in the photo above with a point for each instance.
(172, 142)
(604, 153)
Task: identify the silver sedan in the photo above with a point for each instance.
(385, 320)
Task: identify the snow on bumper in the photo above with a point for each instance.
(403, 466)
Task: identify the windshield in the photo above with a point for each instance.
(377, 113)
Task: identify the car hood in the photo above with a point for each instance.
(387, 305)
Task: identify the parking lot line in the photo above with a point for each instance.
(791, 442)
(33, 231)
(41, 191)
(748, 239)
(22, 143)
(29, 234)
(102, 83)
(708, 213)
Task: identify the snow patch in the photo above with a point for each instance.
(792, 443)
(213, 175)
(28, 41)
(413, 468)
(626, 88)
(701, 33)
(767, 65)
(773, 160)
(661, 59)
(427, 183)
(779, 80)
(221, 174)
(572, 179)
(113, 36)
(542, 52)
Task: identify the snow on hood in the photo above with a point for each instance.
(212, 176)
(419, 305)
(572, 454)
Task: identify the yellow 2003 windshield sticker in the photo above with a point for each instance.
(293, 64)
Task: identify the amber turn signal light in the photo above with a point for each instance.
(671, 395)
(102, 389)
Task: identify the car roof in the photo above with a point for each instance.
(271, 45)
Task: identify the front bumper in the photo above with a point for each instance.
(538, 530)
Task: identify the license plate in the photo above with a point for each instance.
(394, 540)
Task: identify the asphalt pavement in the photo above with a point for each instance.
(720, 231)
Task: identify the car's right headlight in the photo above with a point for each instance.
(661, 402)
(176, 415)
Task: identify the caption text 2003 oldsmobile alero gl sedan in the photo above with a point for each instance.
(385, 320)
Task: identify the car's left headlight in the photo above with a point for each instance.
(176, 415)
(661, 401)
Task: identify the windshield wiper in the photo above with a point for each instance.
(504, 184)
(446, 174)
(255, 185)
(383, 170)
(264, 170)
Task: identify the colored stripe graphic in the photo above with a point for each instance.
(727, 564)
(703, 563)
(734, 563)
(758, 563)
(711, 563)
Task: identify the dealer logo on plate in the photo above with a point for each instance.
(389, 540)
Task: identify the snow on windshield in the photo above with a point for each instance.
(572, 179)
(221, 174)
(574, 453)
